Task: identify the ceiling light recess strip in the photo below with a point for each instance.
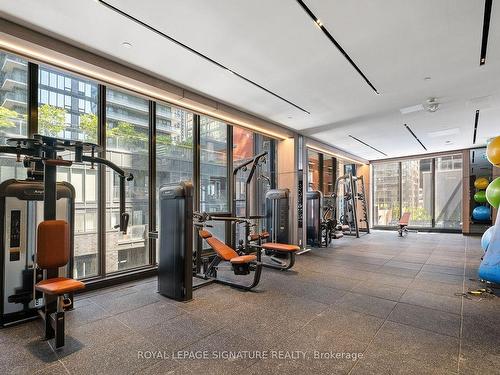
(335, 43)
(31, 53)
(322, 150)
(199, 54)
(486, 30)
(414, 136)
(366, 144)
(476, 123)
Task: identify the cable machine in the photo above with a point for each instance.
(345, 206)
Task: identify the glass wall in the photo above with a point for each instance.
(448, 188)
(174, 149)
(13, 109)
(214, 170)
(416, 185)
(127, 121)
(386, 197)
(68, 107)
(430, 189)
(213, 165)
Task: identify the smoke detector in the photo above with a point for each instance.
(431, 105)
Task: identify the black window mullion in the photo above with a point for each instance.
(32, 99)
(152, 182)
(231, 204)
(433, 194)
(101, 197)
(400, 189)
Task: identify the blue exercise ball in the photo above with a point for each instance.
(485, 240)
(481, 213)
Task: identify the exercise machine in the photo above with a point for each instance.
(225, 258)
(48, 264)
(314, 204)
(322, 225)
(347, 211)
(277, 255)
(175, 273)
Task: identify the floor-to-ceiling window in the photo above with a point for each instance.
(73, 107)
(214, 170)
(448, 188)
(386, 193)
(127, 122)
(416, 188)
(430, 189)
(174, 149)
(13, 109)
(67, 108)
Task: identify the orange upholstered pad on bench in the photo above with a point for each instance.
(404, 219)
(59, 285)
(243, 259)
(280, 247)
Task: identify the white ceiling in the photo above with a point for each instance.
(396, 43)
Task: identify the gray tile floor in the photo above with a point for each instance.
(391, 299)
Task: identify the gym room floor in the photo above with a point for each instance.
(392, 299)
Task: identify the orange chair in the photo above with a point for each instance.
(241, 264)
(403, 224)
(53, 251)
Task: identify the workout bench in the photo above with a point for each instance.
(274, 251)
(241, 264)
(403, 225)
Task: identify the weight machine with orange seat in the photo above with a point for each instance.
(54, 237)
(241, 264)
(272, 254)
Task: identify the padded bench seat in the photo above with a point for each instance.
(283, 247)
(242, 259)
(59, 285)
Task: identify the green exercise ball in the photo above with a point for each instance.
(493, 192)
(480, 196)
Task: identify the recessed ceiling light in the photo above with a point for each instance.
(427, 78)
(126, 44)
(448, 142)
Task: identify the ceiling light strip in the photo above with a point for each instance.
(322, 150)
(476, 122)
(339, 47)
(414, 136)
(199, 54)
(366, 144)
(95, 74)
(486, 30)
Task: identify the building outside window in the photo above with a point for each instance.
(408, 186)
(127, 136)
(174, 149)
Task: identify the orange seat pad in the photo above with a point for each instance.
(404, 219)
(284, 247)
(222, 250)
(59, 285)
(243, 259)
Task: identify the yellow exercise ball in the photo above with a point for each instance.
(493, 151)
(481, 183)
